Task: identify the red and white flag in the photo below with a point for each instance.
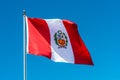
(57, 40)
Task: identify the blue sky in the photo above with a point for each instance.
(99, 27)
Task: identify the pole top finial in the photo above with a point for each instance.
(24, 12)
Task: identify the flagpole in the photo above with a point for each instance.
(24, 47)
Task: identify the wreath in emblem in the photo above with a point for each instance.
(61, 39)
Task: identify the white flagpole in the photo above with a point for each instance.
(24, 47)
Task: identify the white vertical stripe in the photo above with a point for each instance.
(59, 54)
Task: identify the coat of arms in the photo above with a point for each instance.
(60, 39)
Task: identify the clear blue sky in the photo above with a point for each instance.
(99, 26)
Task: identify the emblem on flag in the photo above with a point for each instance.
(60, 39)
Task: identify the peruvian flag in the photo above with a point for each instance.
(57, 40)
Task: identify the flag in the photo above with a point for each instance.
(56, 39)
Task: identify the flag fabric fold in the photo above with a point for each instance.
(56, 39)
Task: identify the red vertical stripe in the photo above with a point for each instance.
(38, 37)
(81, 53)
